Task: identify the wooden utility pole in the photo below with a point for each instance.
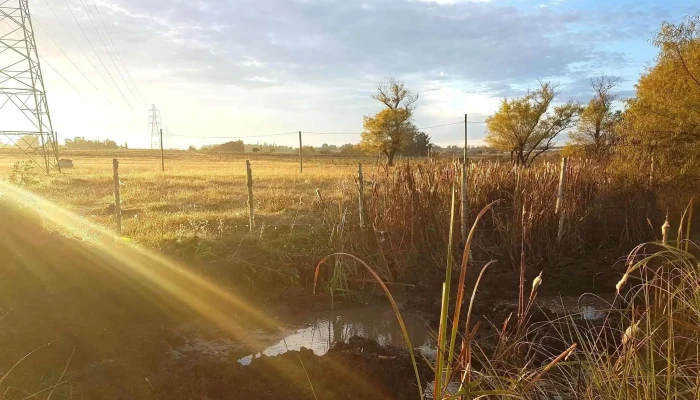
(559, 208)
(162, 156)
(301, 160)
(249, 184)
(465, 202)
(117, 198)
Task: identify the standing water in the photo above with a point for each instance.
(318, 331)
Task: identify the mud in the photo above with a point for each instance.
(85, 325)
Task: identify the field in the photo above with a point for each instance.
(147, 314)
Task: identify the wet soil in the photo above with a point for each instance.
(100, 321)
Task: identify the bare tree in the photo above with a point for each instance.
(596, 129)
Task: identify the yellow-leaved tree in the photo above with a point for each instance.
(392, 128)
(662, 121)
(526, 127)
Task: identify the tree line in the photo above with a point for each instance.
(661, 120)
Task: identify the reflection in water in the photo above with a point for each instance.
(320, 331)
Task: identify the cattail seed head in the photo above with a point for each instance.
(622, 282)
(664, 231)
(630, 333)
(537, 282)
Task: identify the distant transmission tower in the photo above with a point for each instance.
(155, 124)
(25, 121)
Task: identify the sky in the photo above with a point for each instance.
(249, 68)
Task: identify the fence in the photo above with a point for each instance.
(403, 213)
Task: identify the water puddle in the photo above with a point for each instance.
(587, 307)
(320, 330)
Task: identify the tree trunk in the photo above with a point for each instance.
(390, 158)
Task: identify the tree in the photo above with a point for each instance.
(595, 132)
(28, 142)
(664, 116)
(350, 150)
(327, 149)
(526, 128)
(665, 106)
(391, 129)
(419, 145)
(308, 150)
(234, 147)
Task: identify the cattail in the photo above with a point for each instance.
(622, 282)
(537, 282)
(664, 231)
(630, 333)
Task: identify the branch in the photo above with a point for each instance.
(685, 66)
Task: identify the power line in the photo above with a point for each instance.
(59, 74)
(420, 129)
(97, 54)
(71, 61)
(87, 11)
(236, 137)
(75, 41)
(109, 35)
(440, 126)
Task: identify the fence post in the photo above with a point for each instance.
(465, 203)
(560, 198)
(162, 156)
(249, 184)
(651, 170)
(117, 198)
(301, 160)
(361, 197)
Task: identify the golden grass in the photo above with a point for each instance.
(196, 192)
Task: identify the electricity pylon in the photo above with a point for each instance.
(154, 123)
(25, 121)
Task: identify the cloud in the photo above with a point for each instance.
(324, 41)
(317, 61)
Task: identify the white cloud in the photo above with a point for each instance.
(230, 66)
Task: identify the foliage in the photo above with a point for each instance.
(23, 174)
(391, 129)
(419, 145)
(655, 334)
(597, 125)
(526, 128)
(234, 147)
(308, 150)
(662, 119)
(82, 143)
(327, 149)
(28, 142)
(351, 150)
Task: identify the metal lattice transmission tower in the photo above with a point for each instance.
(25, 121)
(155, 124)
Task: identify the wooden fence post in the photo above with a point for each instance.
(651, 170)
(560, 198)
(249, 184)
(162, 156)
(465, 203)
(361, 197)
(117, 198)
(301, 157)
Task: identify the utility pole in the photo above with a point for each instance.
(22, 89)
(162, 157)
(301, 160)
